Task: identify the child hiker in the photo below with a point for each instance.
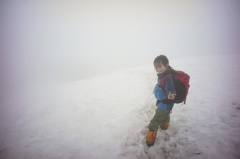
(162, 113)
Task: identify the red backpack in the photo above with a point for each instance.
(181, 84)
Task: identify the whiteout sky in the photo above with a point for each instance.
(77, 39)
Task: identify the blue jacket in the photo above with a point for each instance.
(161, 93)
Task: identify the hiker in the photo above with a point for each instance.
(162, 113)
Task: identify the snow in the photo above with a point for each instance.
(107, 116)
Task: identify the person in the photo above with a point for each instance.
(162, 113)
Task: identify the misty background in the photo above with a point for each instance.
(73, 40)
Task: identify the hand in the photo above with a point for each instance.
(171, 96)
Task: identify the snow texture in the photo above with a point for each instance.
(107, 116)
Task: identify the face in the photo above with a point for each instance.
(160, 68)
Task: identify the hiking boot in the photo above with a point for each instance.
(164, 125)
(150, 138)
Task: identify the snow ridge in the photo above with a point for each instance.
(107, 116)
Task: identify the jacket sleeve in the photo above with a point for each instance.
(160, 95)
(169, 85)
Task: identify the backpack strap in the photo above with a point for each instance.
(163, 80)
(164, 101)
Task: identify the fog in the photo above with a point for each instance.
(73, 40)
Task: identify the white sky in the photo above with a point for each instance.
(89, 37)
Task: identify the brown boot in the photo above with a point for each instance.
(164, 125)
(150, 138)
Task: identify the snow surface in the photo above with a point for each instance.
(107, 116)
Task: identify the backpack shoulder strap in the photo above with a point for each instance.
(163, 79)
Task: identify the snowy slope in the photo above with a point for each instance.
(107, 116)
